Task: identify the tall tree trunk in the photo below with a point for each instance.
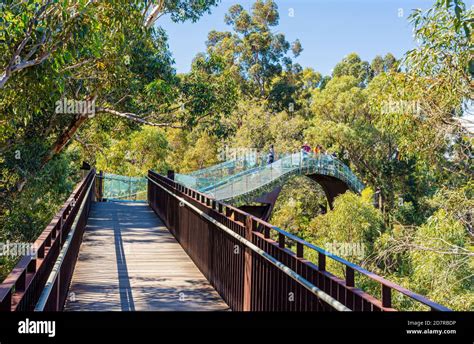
(64, 138)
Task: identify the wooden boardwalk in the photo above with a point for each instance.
(129, 261)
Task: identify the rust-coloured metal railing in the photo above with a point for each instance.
(22, 288)
(251, 271)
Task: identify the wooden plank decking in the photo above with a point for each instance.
(129, 261)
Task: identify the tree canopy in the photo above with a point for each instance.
(394, 120)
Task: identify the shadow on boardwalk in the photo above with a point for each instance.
(129, 261)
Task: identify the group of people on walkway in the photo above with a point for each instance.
(305, 151)
(306, 148)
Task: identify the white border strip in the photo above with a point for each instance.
(307, 284)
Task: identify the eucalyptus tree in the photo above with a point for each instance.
(252, 50)
(97, 52)
(383, 64)
(179, 10)
(101, 53)
(443, 64)
(353, 65)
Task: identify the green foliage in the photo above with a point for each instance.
(254, 54)
(291, 91)
(190, 151)
(182, 10)
(300, 200)
(209, 94)
(201, 154)
(136, 154)
(393, 122)
(443, 267)
(253, 130)
(259, 129)
(25, 216)
(354, 220)
(383, 64)
(352, 65)
(446, 28)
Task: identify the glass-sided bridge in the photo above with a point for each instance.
(123, 188)
(246, 178)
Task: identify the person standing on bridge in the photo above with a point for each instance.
(317, 150)
(271, 155)
(305, 150)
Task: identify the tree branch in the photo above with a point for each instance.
(64, 35)
(135, 118)
(154, 14)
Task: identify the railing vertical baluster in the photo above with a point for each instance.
(6, 302)
(247, 299)
(229, 213)
(386, 296)
(321, 261)
(20, 284)
(266, 232)
(32, 265)
(281, 240)
(350, 282)
(100, 195)
(299, 250)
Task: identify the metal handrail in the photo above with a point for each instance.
(355, 267)
(29, 275)
(359, 269)
(44, 297)
(298, 278)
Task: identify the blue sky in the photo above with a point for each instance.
(327, 29)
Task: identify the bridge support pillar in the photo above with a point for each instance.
(263, 211)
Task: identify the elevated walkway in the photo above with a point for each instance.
(211, 256)
(129, 261)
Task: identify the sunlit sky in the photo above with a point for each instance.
(327, 29)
